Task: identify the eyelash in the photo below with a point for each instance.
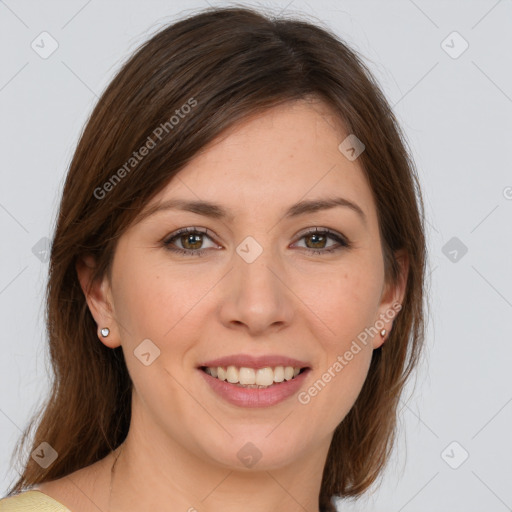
(344, 243)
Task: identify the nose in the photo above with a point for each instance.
(256, 296)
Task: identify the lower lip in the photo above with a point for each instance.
(254, 397)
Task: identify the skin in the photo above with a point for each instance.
(182, 445)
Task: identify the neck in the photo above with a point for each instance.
(146, 477)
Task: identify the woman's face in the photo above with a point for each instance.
(259, 284)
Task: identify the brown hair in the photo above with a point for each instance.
(225, 64)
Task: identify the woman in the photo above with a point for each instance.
(266, 371)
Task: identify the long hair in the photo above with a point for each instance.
(182, 88)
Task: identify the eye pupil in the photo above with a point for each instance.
(190, 239)
(322, 239)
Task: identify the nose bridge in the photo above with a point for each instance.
(256, 296)
(256, 264)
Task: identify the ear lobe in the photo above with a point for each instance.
(393, 294)
(97, 295)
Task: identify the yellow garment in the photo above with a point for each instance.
(31, 501)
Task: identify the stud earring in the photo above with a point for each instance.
(383, 332)
(105, 332)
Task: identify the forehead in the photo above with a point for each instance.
(274, 159)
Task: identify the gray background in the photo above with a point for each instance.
(456, 111)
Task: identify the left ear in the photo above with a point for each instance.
(392, 296)
(99, 300)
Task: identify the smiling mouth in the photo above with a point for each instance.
(257, 378)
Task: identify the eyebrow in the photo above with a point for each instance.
(217, 211)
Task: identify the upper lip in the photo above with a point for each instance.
(248, 361)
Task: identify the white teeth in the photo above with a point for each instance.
(247, 376)
(232, 374)
(250, 377)
(288, 373)
(264, 377)
(279, 374)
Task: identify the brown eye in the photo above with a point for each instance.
(190, 239)
(316, 241)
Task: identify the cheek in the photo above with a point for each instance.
(347, 307)
(141, 298)
(350, 305)
(346, 301)
(153, 300)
